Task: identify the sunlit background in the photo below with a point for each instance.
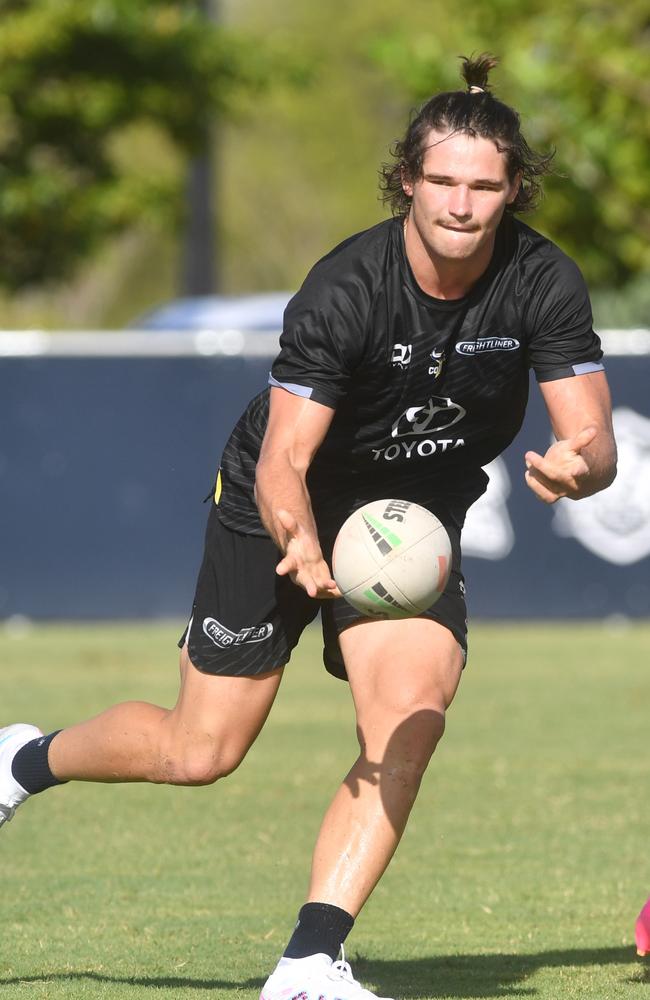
(153, 151)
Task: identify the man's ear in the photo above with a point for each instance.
(516, 184)
(407, 186)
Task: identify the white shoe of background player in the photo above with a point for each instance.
(314, 978)
(12, 738)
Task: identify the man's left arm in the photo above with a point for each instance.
(582, 460)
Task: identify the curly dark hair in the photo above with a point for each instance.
(474, 112)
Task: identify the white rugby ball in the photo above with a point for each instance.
(392, 559)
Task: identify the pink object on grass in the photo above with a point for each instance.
(642, 931)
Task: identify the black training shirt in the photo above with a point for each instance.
(426, 391)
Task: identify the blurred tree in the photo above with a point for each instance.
(76, 76)
(579, 74)
(302, 172)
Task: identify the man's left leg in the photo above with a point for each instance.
(403, 676)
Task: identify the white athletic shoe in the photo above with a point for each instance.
(12, 738)
(314, 978)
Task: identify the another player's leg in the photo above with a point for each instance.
(642, 931)
(403, 676)
(204, 737)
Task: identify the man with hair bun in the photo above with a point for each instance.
(419, 331)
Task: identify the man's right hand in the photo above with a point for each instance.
(303, 560)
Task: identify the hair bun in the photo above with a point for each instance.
(476, 70)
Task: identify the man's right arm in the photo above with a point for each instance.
(295, 431)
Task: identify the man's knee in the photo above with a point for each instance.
(416, 738)
(405, 739)
(201, 761)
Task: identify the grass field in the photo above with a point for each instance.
(520, 875)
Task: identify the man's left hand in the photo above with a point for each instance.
(562, 471)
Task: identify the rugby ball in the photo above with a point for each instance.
(392, 559)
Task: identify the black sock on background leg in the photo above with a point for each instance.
(30, 766)
(321, 929)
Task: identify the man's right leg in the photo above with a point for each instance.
(244, 624)
(204, 737)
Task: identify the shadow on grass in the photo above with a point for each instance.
(463, 976)
(477, 976)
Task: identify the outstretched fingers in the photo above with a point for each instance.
(562, 470)
(543, 488)
(303, 560)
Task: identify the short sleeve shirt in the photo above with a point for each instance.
(425, 391)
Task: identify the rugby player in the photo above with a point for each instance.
(403, 371)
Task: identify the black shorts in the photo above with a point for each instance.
(247, 620)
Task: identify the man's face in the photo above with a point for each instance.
(460, 199)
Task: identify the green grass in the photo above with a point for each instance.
(521, 873)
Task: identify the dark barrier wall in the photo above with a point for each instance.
(104, 463)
